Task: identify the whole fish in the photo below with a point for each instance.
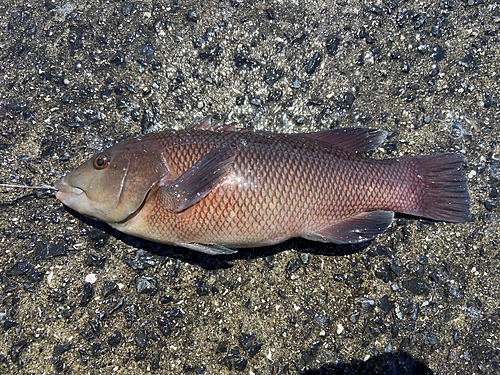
(214, 188)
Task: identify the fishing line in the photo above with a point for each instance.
(28, 187)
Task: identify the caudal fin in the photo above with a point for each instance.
(445, 194)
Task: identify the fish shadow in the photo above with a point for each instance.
(100, 233)
(391, 363)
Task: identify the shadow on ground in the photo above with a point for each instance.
(401, 363)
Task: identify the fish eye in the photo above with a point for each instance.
(101, 161)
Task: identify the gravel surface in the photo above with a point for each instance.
(80, 298)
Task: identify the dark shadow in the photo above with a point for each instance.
(214, 262)
(401, 363)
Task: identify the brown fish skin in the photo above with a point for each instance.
(212, 191)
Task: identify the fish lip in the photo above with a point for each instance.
(66, 189)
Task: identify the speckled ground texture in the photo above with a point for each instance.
(77, 297)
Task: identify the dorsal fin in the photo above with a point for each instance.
(208, 124)
(356, 140)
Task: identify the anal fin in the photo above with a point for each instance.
(358, 228)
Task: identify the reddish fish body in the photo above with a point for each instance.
(212, 190)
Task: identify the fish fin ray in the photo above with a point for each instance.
(207, 124)
(211, 249)
(357, 140)
(446, 194)
(202, 124)
(199, 180)
(358, 228)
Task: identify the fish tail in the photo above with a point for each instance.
(443, 188)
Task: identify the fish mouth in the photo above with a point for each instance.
(66, 191)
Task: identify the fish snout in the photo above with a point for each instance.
(65, 190)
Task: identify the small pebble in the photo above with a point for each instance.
(88, 292)
(115, 338)
(91, 278)
(146, 284)
(416, 286)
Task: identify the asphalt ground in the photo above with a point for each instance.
(79, 298)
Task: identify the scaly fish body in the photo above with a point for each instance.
(216, 190)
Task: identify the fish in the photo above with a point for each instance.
(214, 188)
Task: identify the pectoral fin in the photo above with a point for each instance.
(199, 180)
(207, 249)
(361, 227)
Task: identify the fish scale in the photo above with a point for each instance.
(212, 190)
(317, 183)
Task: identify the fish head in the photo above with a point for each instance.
(114, 184)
